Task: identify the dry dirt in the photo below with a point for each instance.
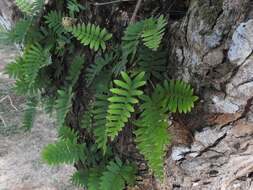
(21, 167)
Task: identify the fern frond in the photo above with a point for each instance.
(67, 133)
(74, 7)
(122, 102)
(63, 104)
(25, 6)
(91, 35)
(151, 140)
(35, 58)
(95, 69)
(75, 70)
(86, 121)
(15, 69)
(99, 115)
(18, 33)
(63, 152)
(116, 174)
(153, 32)
(152, 62)
(93, 179)
(179, 96)
(54, 21)
(29, 114)
(80, 178)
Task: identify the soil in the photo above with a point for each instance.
(21, 167)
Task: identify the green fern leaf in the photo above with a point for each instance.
(122, 102)
(74, 7)
(75, 70)
(25, 6)
(67, 133)
(35, 58)
(54, 21)
(91, 35)
(116, 174)
(179, 96)
(19, 32)
(153, 32)
(15, 69)
(99, 115)
(93, 179)
(152, 62)
(151, 141)
(63, 152)
(29, 114)
(63, 104)
(95, 69)
(80, 178)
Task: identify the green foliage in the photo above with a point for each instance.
(152, 62)
(63, 152)
(116, 174)
(74, 7)
(99, 116)
(153, 32)
(75, 70)
(63, 105)
(29, 114)
(96, 68)
(80, 178)
(19, 31)
(122, 102)
(52, 69)
(25, 6)
(178, 96)
(54, 21)
(91, 35)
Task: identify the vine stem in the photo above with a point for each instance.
(137, 7)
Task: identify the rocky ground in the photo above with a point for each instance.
(20, 165)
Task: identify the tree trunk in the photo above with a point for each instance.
(211, 46)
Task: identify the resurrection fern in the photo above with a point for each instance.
(152, 62)
(75, 70)
(94, 84)
(54, 21)
(122, 102)
(35, 58)
(153, 32)
(25, 6)
(18, 33)
(74, 7)
(80, 178)
(63, 104)
(95, 69)
(178, 96)
(63, 152)
(99, 116)
(29, 114)
(116, 174)
(91, 35)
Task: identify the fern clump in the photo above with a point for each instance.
(96, 84)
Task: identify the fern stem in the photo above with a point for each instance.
(137, 7)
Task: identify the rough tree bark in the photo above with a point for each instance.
(211, 46)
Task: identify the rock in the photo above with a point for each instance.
(242, 43)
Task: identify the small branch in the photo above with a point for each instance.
(11, 102)
(111, 2)
(137, 7)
